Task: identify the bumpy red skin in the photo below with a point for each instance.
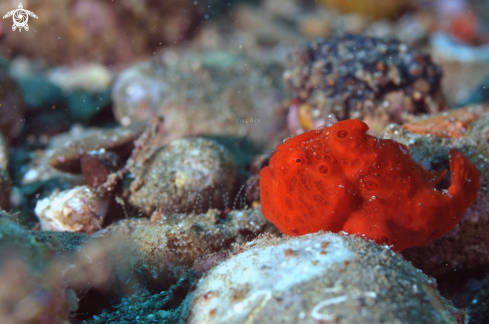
(341, 179)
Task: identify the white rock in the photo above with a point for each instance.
(89, 77)
(316, 278)
(79, 209)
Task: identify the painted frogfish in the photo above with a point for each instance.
(338, 178)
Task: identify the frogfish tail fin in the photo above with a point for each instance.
(465, 178)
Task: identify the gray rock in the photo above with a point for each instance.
(205, 93)
(163, 250)
(317, 278)
(191, 174)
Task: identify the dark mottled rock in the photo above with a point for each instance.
(356, 76)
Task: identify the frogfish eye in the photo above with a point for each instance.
(342, 133)
(298, 159)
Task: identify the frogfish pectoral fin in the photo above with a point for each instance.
(438, 176)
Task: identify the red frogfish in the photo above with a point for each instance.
(338, 178)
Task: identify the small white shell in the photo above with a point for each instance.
(79, 209)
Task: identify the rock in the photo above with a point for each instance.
(263, 27)
(322, 23)
(284, 8)
(473, 296)
(39, 170)
(83, 89)
(356, 76)
(87, 77)
(66, 156)
(315, 278)
(373, 8)
(5, 182)
(479, 94)
(466, 246)
(453, 123)
(166, 247)
(414, 28)
(190, 174)
(49, 167)
(32, 287)
(449, 48)
(84, 105)
(65, 245)
(464, 66)
(478, 307)
(86, 88)
(208, 93)
(80, 209)
(94, 28)
(37, 90)
(73, 253)
(11, 106)
(50, 122)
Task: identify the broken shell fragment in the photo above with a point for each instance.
(79, 209)
(119, 140)
(97, 165)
